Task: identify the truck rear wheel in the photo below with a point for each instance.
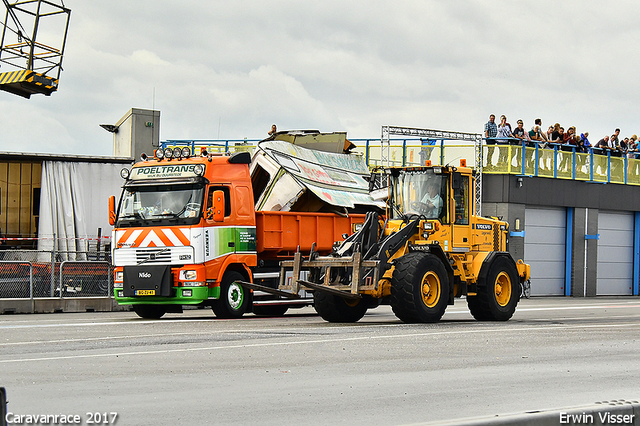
(497, 300)
(150, 311)
(337, 309)
(419, 288)
(233, 300)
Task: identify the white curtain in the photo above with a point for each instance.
(74, 203)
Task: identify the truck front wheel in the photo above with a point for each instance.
(233, 300)
(150, 311)
(338, 309)
(419, 288)
(497, 300)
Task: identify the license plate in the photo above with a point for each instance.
(145, 292)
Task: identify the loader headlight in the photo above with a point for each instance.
(428, 226)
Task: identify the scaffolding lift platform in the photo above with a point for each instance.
(35, 65)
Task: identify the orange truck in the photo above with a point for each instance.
(187, 231)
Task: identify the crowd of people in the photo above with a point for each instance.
(555, 135)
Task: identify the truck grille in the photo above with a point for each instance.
(153, 255)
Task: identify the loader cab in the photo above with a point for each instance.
(420, 192)
(435, 193)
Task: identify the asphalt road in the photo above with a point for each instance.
(193, 369)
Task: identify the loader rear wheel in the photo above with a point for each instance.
(337, 309)
(150, 311)
(419, 288)
(497, 300)
(233, 300)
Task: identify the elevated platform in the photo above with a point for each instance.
(26, 83)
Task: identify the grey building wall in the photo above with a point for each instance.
(509, 197)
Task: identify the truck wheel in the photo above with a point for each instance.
(498, 299)
(233, 300)
(150, 311)
(270, 310)
(419, 288)
(337, 309)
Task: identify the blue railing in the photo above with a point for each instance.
(510, 157)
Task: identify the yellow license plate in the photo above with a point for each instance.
(145, 292)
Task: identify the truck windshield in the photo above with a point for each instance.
(419, 193)
(177, 203)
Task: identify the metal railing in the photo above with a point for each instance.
(28, 274)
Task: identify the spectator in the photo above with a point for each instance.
(536, 133)
(550, 132)
(603, 143)
(600, 162)
(624, 146)
(490, 132)
(273, 130)
(568, 138)
(568, 142)
(584, 139)
(520, 136)
(519, 132)
(558, 134)
(632, 150)
(504, 135)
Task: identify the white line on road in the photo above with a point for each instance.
(314, 342)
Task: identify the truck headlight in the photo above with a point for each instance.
(188, 275)
(119, 276)
(118, 285)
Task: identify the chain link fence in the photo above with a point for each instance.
(26, 274)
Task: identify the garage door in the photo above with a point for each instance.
(544, 250)
(615, 254)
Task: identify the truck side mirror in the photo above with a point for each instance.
(217, 211)
(112, 210)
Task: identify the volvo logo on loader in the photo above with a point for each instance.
(144, 274)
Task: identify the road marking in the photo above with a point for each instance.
(322, 341)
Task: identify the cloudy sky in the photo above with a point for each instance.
(229, 69)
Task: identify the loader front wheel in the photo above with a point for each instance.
(334, 308)
(497, 300)
(419, 288)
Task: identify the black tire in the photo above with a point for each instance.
(150, 311)
(270, 310)
(497, 300)
(337, 309)
(234, 299)
(419, 288)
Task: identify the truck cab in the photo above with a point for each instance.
(182, 222)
